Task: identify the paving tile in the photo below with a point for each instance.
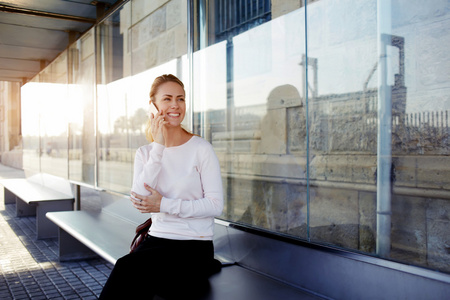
(52, 295)
(30, 268)
(66, 290)
(72, 297)
(21, 297)
(5, 295)
(84, 295)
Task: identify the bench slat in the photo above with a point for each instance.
(103, 233)
(32, 197)
(32, 192)
(237, 283)
(110, 237)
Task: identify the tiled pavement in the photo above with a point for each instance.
(30, 269)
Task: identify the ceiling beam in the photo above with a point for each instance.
(37, 13)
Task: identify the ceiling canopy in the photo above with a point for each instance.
(33, 33)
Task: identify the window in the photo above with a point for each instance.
(320, 139)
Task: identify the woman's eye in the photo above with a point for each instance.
(181, 99)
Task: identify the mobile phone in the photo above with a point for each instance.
(153, 109)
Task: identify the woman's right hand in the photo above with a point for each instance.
(157, 127)
(147, 204)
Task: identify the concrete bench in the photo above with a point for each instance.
(37, 195)
(259, 264)
(108, 233)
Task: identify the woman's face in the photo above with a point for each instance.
(170, 99)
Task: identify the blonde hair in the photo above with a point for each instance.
(153, 90)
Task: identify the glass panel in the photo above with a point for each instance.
(344, 144)
(82, 109)
(342, 97)
(157, 45)
(378, 105)
(247, 86)
(114, 157)
(136, 44)
(30, 125)
(371, 160)
(418, 83)
(53, 117)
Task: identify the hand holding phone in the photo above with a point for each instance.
(153, 109)
(157, 124)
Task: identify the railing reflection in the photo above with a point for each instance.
(264, 161)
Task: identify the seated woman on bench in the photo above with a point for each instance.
(177, 179)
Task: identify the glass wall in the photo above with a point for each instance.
(247, 89)
(137, 43)
(82, 109)
(114, 156)
(342, 108)
(378, 121)
(30, 126)
(330, 120)
(53, 123)
(44, 109)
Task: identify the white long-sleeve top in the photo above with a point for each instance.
(188, 177)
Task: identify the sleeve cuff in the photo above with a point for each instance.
(170, 206)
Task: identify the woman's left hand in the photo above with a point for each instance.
(147, 204)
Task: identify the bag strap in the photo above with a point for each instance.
(144, 225)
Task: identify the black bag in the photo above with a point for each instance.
(141, 234)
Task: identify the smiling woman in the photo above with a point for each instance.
(170, 101)
(168, 96)
(177, 180)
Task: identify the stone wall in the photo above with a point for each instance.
(265, 163)
(156, 32)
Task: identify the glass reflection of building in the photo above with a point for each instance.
(329, 129)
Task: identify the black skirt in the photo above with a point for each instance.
(171, 269)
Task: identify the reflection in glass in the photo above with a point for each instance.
(298, 133)
(82, 112)
(420, 150)
(44, 115)
(114, 157)
(136, 44)
(255, 86)
(53, 119)
(373, 142)
(342, 123)
(30, 125)
(247, 97)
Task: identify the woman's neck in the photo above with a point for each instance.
(176, 136)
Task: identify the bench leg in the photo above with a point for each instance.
(72, 249)
(23, 209)
(44, 227)
(9, 197)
